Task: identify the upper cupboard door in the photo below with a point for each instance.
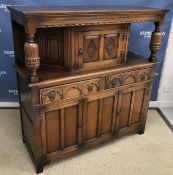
(101, 47)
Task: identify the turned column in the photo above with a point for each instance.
(155, 42)
(32, 59)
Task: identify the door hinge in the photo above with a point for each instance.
(39, 119)
(122, 57)
(43, 153)
(148, 92)
(124, 36)
(118, 113)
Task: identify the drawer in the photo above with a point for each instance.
(116, 80)
(67, 91)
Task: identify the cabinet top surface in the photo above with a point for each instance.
(83, 9)
(41, 16)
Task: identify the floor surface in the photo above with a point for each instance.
(168, 112)
(147, 154)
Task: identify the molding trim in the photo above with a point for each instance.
(9, 105)
(153, 104)
(165, 119)
(161, 104)
(165, 104)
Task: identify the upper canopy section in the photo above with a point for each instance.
(58, 16)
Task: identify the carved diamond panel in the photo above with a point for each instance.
(91, 49)
(110, 46)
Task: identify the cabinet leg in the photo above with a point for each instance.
(23, 139)
(141, 131)
(39, 169)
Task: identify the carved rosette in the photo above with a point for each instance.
(32, 59)
(155, 42)
(143, 75)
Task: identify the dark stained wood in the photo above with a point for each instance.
(107, 115)
(52, 135)
(78, 84)
(92, 119)
(70, 126)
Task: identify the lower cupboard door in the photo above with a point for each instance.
(132, 105)
(62, 128)
(99, 116)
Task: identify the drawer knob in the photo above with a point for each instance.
(142, 77)
(90, 88)
(52, 96)
(81, 51)
(114, 82)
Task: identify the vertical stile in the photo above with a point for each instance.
(80, 122)
(99, 117)
(118, 111)
(84, 118)
(114, 115)
(101, 49)
(131, 108)
(43, 130)
(62, 127)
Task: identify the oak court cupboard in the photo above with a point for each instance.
(78, 84)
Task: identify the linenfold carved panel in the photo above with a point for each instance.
(50, 42)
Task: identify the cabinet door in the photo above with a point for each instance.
(61, 128)
(132, 105)
(99, 48)
(99, 115)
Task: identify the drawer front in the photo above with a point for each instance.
(67, 91)
(116, 80)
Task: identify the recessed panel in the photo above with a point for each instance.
(92, 119)
(106, 117)
(125, 109)
(110, 46)
(91, 48)
(137, 108)
(53, 131)
(70, 125)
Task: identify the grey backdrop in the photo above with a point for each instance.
(139, 39)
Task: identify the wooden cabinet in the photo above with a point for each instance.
(78, 84)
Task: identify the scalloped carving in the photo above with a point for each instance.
(144, 75)
(95, 87)
(129, 77)
(73, 90)
(114, 81)
(51, 95)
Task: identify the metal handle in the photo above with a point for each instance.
(52, 96)
(114, 82)
(81, 51)
(90, 87)
(142, 77)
